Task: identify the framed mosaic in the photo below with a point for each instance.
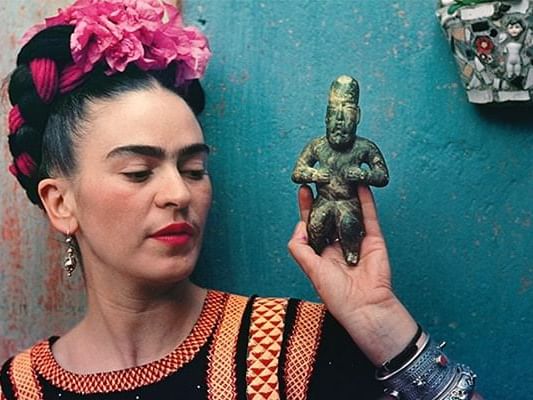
(492, 43)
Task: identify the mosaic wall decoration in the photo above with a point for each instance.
(492, 42)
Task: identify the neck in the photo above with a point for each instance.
(123, 330)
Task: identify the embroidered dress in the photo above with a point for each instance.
(240, 348)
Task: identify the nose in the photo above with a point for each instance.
(339, 115)
(173, 190)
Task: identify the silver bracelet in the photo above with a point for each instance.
(430, 375)
(462, 386)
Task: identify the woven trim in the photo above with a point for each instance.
(131, 378)
(221, 375)
(264, 348)
(302, 348)
(24, 379)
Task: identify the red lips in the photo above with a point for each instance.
(178, 234)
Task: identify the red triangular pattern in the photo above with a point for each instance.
(266, 334)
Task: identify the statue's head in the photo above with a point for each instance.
(343, 113)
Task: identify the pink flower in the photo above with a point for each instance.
(148, 33)
(137, 15)
(72, 14)
(160, 53)
(91, 39)
(124, 52)
(195, 53)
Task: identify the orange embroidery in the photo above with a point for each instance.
(221, 375)
(23, 378)
(301, 349)
(264, 347)
(132, 378)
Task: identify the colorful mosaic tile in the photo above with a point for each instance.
(492, 42)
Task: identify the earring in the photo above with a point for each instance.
(71, 260)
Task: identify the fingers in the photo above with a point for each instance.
(302, 253)
(305, 202)
(368, 207)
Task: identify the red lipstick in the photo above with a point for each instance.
(178, 234)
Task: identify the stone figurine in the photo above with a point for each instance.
(337, 163)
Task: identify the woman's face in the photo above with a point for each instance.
(141, 192)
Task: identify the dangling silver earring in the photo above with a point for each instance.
(71, 259)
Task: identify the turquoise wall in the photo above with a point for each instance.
(457, 214)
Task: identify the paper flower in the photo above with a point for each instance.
(148, 33)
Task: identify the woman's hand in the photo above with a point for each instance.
(360, 297)
(367, 284)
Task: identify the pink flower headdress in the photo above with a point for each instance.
(148, 33)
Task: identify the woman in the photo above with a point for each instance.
(105, 139)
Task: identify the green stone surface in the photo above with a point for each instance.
(337, 163)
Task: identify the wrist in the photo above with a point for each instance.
(409, 353)
(381, 330)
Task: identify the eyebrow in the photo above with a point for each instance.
(157, 152)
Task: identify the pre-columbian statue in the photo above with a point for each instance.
(337, 163)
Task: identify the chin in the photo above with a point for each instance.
(165, 270)
(168, 277)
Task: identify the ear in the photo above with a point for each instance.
(358, 115)
(58, 201)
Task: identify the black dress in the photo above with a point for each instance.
(240, 348)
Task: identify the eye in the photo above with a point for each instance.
(193, 174)
(138, 176)
(193, 168)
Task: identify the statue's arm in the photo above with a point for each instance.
(378, 174)
(303, 171)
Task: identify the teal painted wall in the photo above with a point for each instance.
(457, 214)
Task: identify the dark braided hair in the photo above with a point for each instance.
(50, 98)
